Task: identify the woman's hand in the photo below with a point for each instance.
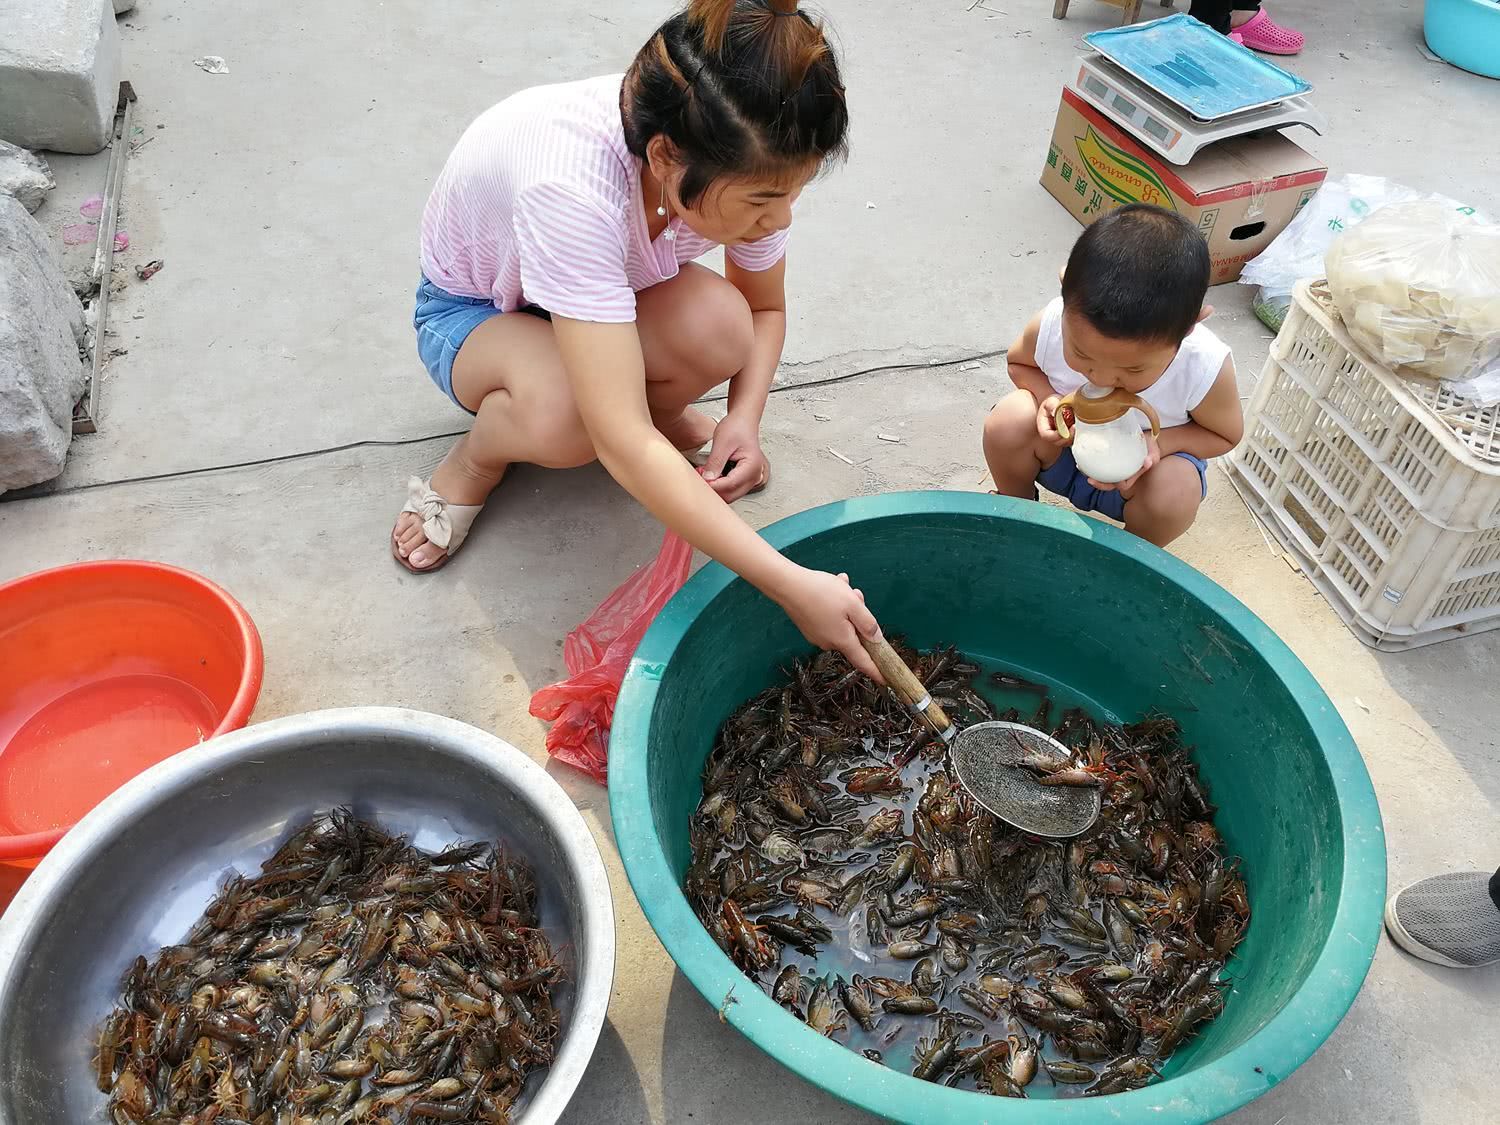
(736, 439)
(1046, 425)
(608, 377)
(832, 615)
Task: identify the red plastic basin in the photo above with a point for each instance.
(106, 668)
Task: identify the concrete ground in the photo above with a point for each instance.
(284, 196)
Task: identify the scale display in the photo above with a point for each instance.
(1168, 128)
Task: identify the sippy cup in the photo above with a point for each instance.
(1108, 444)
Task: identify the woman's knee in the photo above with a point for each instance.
(540, 425)
(725, 332)
(696, 328)
(561, 441)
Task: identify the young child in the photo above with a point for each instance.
(1130, 316)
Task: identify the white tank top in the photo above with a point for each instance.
(1180, 389)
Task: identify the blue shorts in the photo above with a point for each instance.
(1063, 478)
(443, 322)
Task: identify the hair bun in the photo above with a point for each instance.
(738, 93)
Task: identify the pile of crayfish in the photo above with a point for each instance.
(354, 980)
(837, 860)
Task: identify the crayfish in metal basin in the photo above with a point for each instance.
(354, 979)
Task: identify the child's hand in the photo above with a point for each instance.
(832, 615)
(736, 440)
(1153, 458)
(1046, 425)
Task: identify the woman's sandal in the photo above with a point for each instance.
(445, 525)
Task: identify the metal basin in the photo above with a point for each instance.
(136, 872)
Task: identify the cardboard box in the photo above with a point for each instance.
(1241, 193)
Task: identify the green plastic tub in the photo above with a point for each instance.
(1129, 627)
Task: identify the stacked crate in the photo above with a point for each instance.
(1386, 489)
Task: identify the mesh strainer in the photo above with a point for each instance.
(984, 757)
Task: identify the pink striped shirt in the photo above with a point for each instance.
(540, 203)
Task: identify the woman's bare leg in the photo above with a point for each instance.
(695, 333)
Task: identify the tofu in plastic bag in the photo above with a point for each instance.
(1418, 286)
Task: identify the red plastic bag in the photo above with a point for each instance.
(597, 654)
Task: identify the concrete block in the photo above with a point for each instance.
(24, 175)
(59, 73)
(41, 373)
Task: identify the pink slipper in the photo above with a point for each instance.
(1261, 33)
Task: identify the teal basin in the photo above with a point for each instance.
(1123, 624)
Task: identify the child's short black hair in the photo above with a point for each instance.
(1139, 273)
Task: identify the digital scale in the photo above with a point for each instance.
(1179, 85)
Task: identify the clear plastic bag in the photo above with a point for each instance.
(1341, 204)
(1270, 309)
(1418, 287)
(1481, 388)
(597, 654)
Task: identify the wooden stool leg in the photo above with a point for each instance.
(1060, 10)
(1132, 11)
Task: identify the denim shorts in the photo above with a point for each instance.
(443, 322)
(1063, 478)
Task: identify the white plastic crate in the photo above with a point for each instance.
(1386, 489)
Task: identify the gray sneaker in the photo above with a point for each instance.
(1447, 919)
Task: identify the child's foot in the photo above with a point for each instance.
(689, 431)
(1261, 33)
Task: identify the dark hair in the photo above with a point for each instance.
(741, 88)
(1139, 273)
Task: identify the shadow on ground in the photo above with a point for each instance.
(610, 1092)
(1438, 682)
(712, 1073)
